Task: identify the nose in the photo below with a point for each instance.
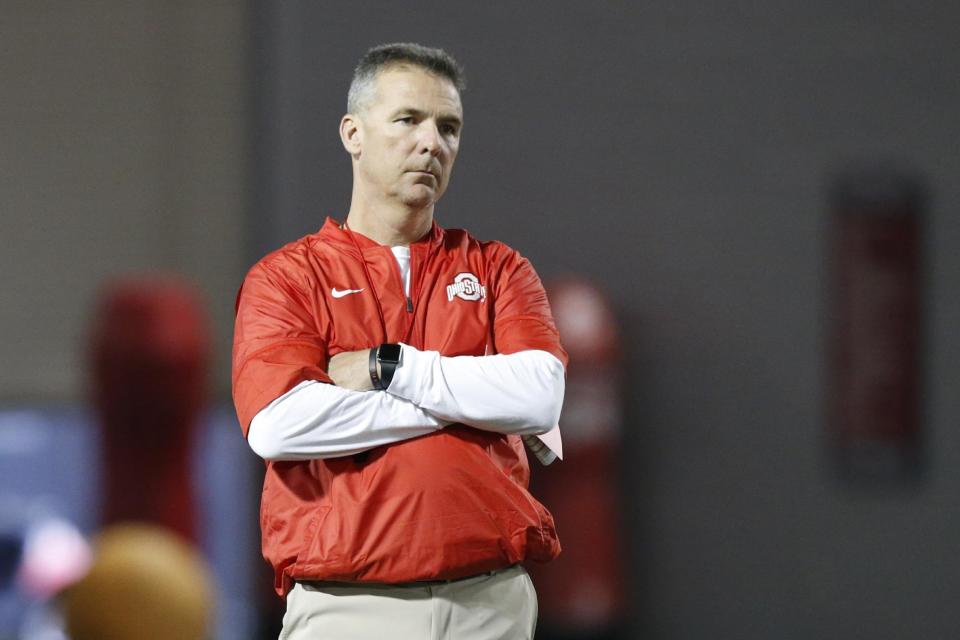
(430, 141)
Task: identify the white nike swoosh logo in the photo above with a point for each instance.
(337, 293)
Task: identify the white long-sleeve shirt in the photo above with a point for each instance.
(519, 393)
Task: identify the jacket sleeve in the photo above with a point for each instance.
(521, 314)
(277, 343)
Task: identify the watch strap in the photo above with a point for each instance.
(374, 376)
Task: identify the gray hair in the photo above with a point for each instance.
(380, 57)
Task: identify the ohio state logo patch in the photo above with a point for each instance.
(466, 286)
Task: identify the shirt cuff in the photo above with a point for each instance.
(413, 373)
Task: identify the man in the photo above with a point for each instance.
(386, 369)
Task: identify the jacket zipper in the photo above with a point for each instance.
(408, 297)
(413, 274)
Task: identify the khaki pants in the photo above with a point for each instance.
(497, 606)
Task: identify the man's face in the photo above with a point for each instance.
(410, 134)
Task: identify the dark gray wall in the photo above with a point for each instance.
(123, 150)
(678, 156)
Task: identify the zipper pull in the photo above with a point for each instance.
(409, 304)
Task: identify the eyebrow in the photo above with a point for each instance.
(417, 113)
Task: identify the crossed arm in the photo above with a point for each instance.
(519, 393)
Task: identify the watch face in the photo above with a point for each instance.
(389, 353)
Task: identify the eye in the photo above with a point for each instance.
(448, 129)
(405, 120)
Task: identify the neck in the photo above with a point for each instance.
(390, 224)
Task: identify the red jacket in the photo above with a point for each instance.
(447, 505)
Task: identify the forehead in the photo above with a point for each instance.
(405, 86)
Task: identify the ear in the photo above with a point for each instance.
(350, 134)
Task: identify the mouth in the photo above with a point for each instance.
(425, 172)
(426, 179)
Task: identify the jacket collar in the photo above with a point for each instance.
(332, 233)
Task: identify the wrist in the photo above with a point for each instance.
(383, 362)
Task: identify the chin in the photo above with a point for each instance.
(421, 198)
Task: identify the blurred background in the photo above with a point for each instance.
(761, 200)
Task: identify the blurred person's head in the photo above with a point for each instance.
(145, 584)
(402, 131)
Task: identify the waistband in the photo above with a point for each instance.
(321, 584)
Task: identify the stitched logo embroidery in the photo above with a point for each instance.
(466, 286)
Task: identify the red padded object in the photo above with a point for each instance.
(582, 591)
(150, 352)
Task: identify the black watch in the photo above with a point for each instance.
(388, 356)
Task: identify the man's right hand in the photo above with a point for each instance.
(351, 370)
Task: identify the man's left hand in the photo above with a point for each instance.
(351, 370)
